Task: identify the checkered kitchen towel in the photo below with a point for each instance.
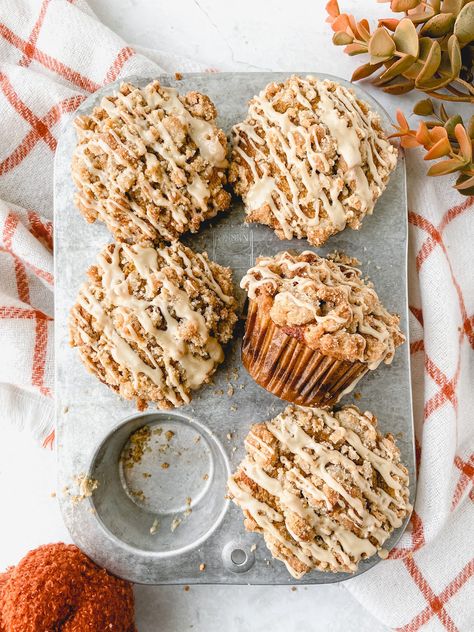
(55, 52)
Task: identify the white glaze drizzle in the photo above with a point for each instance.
(146, 138)
(196, 362)
(309, 276)
(308, 176)
(294, 492)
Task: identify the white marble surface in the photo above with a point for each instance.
(250, 34)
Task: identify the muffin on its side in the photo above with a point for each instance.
(149, 323)
(310, 159)
(150, 163)
(314, 327)
(325, 489)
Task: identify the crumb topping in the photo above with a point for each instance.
(150, 163)
(309, 159)
(325, 489)
(150, 322)
(325, 303)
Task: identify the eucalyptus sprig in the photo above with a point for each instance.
(429, 49)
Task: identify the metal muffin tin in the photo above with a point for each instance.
(127, 524)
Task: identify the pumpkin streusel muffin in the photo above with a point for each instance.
(150, 163)
(314, 327)
(325, 488)
(150, 322)
(310, 159)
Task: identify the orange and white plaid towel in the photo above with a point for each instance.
(55, 52)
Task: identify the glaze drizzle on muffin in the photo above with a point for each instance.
(150, 163)
(325, 489)
(150, 322)
(309, 159)
(326, 304)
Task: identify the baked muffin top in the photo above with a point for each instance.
(309, 159)
(325, 303)
(325, 489)
(150, 322)
(150, 163)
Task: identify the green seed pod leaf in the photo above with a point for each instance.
(431, 64)
(438, 25)
(464, 26)
(451, 124)
(381, 45)
(424, 107)
(396, 68)
(406, 38)
(341, 38)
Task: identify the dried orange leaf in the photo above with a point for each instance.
(341, 23)
(437, 133)
(381, 45)
(444, 167)
(406, 38)
(464, 26)
(332, 8)
(364, 30)
(423, 135)
(465, 143)
(439, 149)
(389, 23)
(409, 142)
(402, 121)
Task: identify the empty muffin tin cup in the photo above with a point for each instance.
(161, 483)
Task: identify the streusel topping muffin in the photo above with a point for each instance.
(324, 303)
(310, 159)
(150, 322)
(150, 163)
(325, 489)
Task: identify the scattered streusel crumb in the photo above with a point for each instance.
(86, 485)
(202, 567)
(186, 588)
(175, 524)
(253, 547)
(138, 444)
(178, 76)
(155, 526)
(169, 434)
(205, 477)
(230, 390)
(53, 494)
(165, 466)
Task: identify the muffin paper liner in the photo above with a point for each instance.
(288, 368)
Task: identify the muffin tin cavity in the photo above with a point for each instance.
(160, 478)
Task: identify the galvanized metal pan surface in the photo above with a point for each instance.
(162, 520)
